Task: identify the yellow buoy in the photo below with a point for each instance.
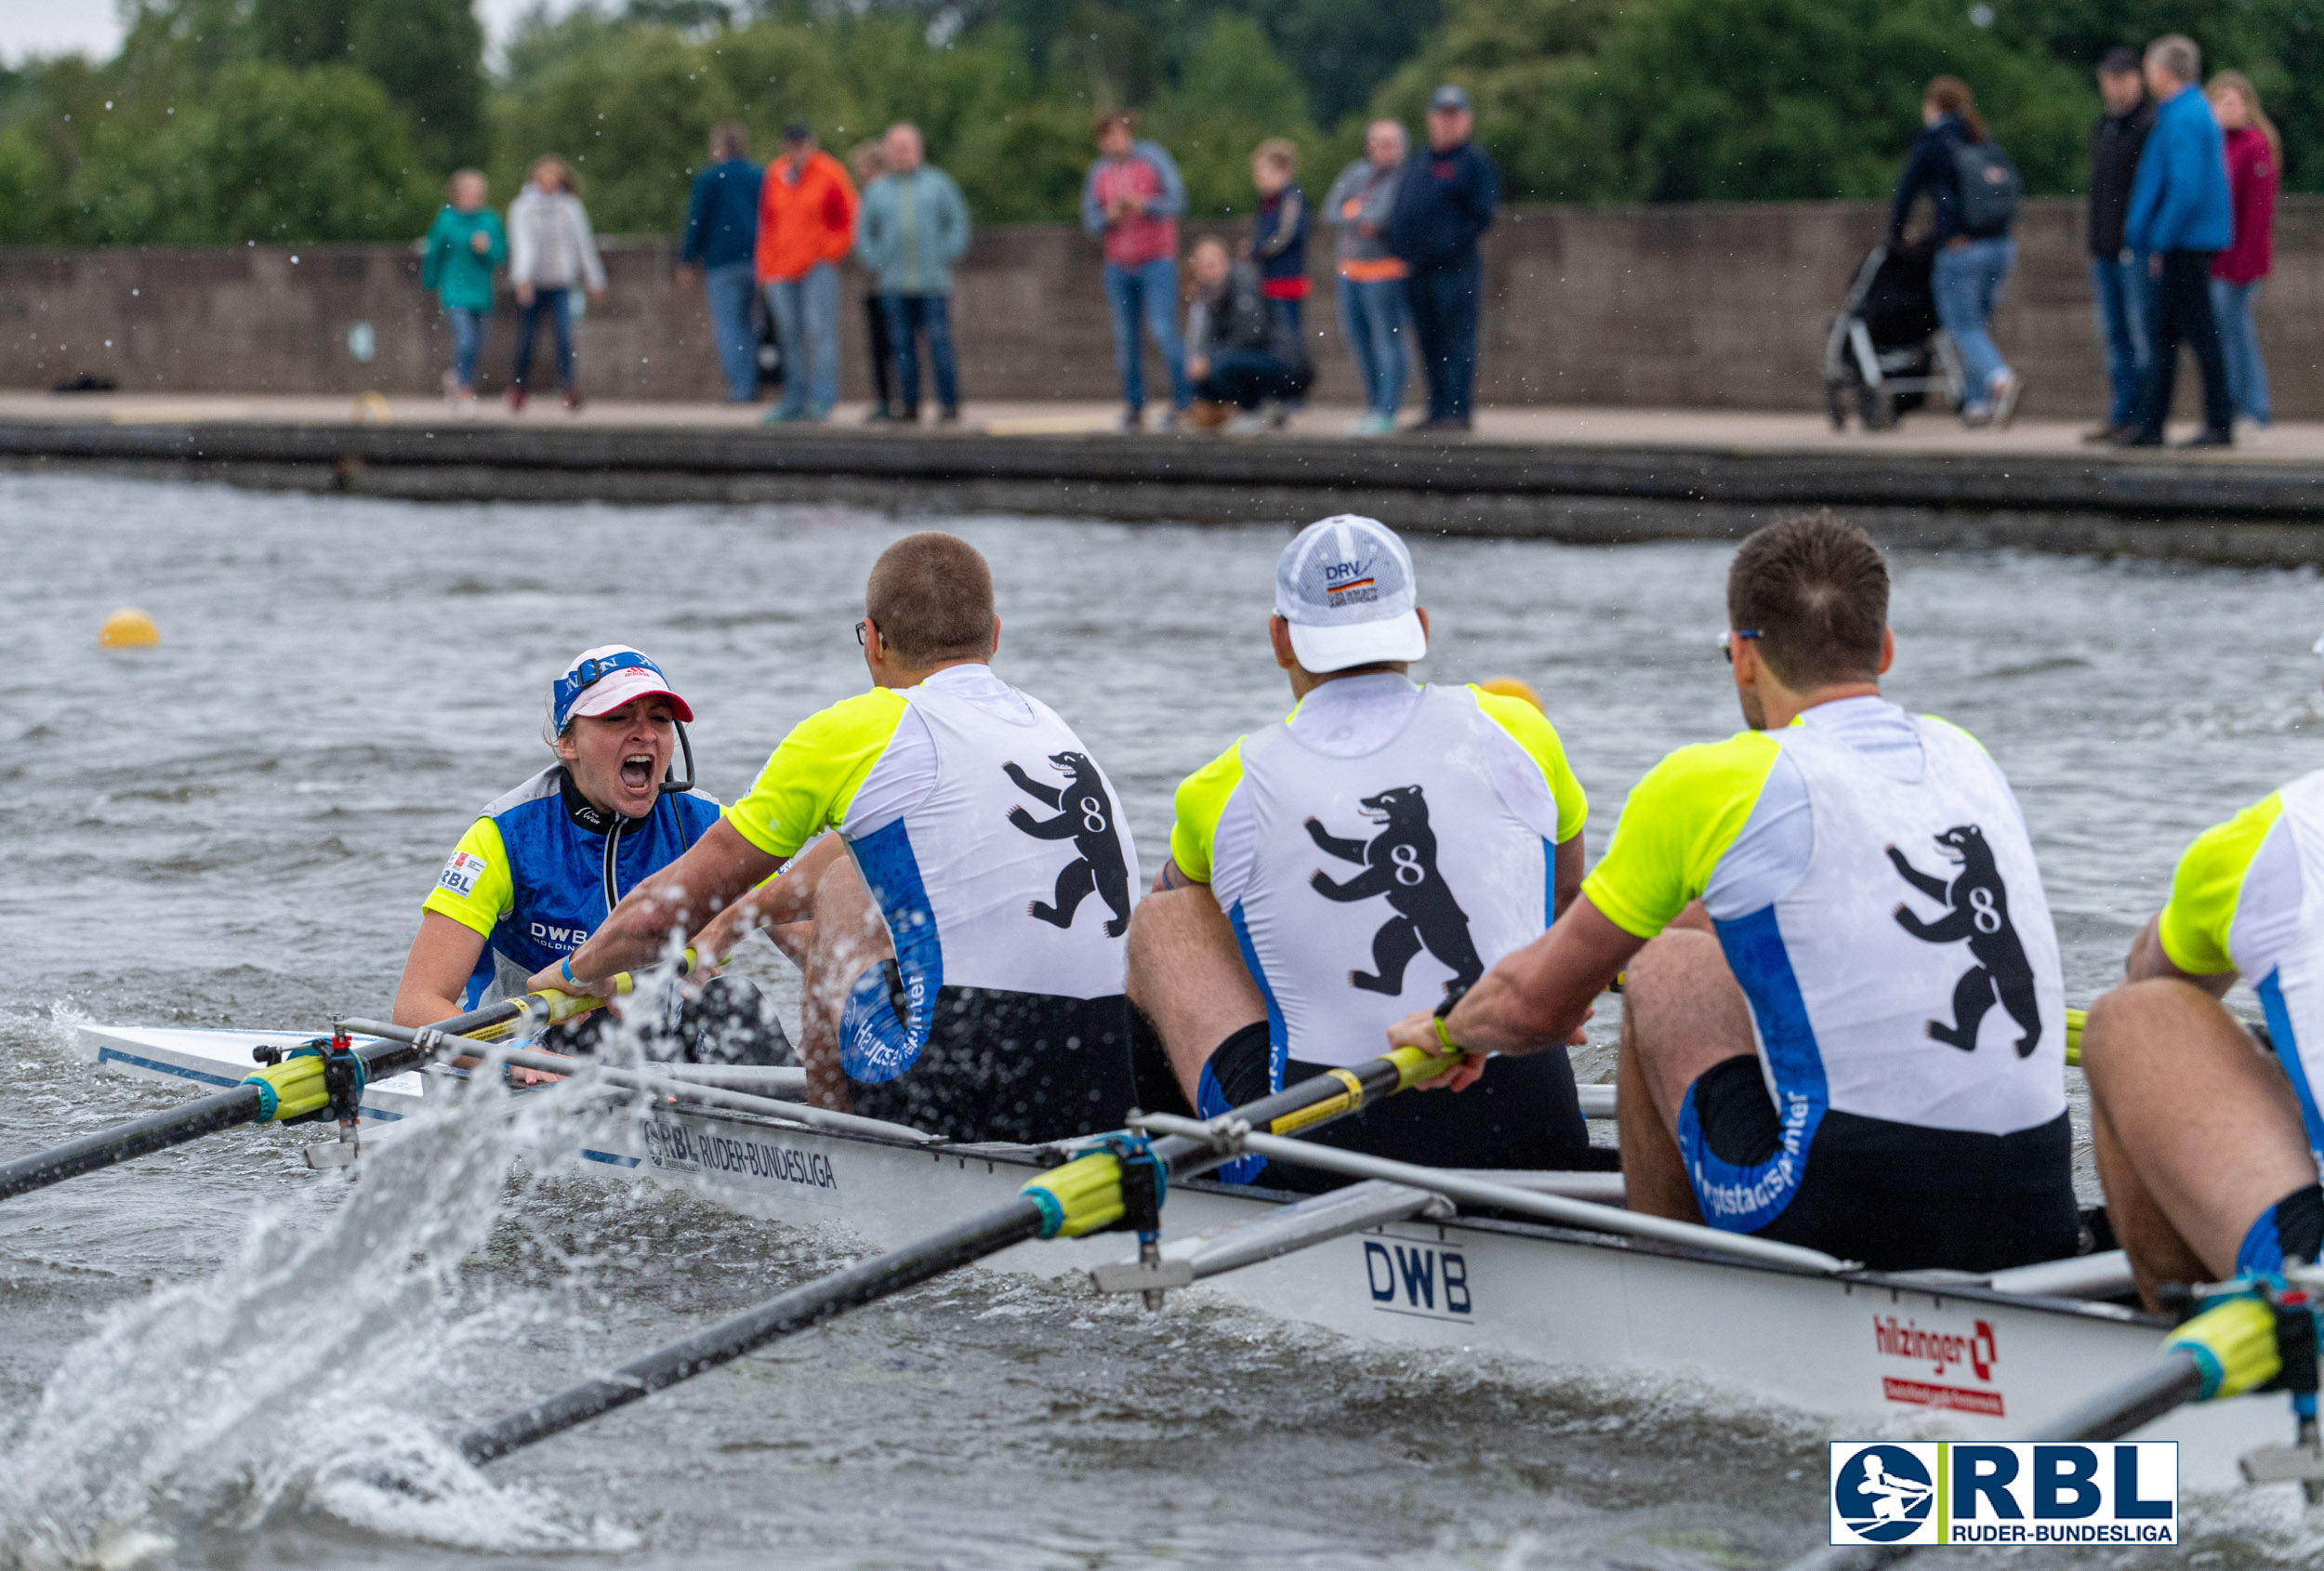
(128, 628)
(1511, 687)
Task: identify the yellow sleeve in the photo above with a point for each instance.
(2208, 887)
(474, 889)
(1531, 729)
(1201, 800)
(1677, 822)
(816, 772)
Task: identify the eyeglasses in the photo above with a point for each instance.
(1727, 641)
(860, 643)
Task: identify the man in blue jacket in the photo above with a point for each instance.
(722, 229)
(1444, 203)
(2182, 216)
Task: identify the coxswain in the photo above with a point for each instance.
(1843, 1023)
(540, 867)
(2208, 1150)
(1332, 873)
(969, 914)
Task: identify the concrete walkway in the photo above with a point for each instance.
(1736, 431)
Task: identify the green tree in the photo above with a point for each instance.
(1237, 91)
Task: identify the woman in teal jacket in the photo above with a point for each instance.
(463, 247)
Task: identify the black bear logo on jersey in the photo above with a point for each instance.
(1400, 862)
(1980, 913)
(1086, 817)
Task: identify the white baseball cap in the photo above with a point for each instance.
(601, 679)
(1345, 585)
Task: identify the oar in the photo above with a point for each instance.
(1121, 1184)
(302, 1086)
(2229, 1348)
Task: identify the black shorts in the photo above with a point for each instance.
(1010, 1066)
(1896, 1196)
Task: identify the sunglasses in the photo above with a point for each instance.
(1726, 641)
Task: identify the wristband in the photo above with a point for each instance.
(564, 969)
(1446, 1037)
(1454, 993)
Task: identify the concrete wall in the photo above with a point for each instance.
(1713, 305)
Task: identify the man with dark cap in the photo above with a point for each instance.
(1445, 202)
(2118, 279)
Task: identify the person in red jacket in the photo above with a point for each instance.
(806, 227)
(2255, 160)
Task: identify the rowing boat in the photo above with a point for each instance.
(1873, 1353)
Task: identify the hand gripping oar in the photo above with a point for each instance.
(324, 1076)
(1119, 1186)
(2261, 1330)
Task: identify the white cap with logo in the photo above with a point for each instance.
(1345, 585)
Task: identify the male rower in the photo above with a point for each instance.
(1329, 874)
(2208, 1151)
(1855, 1041)
(965, 975)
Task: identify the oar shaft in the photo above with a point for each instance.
(796, 1311)
(142, 1136)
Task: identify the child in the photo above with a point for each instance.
(1278, 242)
(464, 245)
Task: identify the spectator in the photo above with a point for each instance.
(1278, 245)
(915, 226)
(464, 245)
(1133, 198)
(722, 231)
(1444, 202)
(867, 162)
(1371, 281)
(806, 227)
(1974, 252)
(2180, 217)
(2255, 154)
(551, 251)
(1240, 351)
(2118, 279)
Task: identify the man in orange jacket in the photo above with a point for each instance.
(806, 224)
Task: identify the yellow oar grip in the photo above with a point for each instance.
(2074, 1019)
(1416, 1064)
(2234, 1344)
(1085, 1195)
(290, 1089)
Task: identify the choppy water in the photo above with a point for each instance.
(236, 829)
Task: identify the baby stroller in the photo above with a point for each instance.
(1885, 354)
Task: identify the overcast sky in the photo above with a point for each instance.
(56, 27)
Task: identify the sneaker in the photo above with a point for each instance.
(782, 415)
(948, 416)
(1172, 420)
(2006, 390)
(876, 413)
(1133, 420)
(1206, 416)
(1976, 417)
(2210, 438)
(819, 414)
(2137, 436)
(2099, 436)
(516, 398)
(1377, 425)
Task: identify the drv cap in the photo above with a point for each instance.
(1345, 585)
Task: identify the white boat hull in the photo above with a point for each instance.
(1874, 1355)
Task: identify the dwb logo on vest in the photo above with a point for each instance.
(1953, 1492)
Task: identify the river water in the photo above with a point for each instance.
(235, 828)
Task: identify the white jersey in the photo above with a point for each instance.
(1911, 974)
(1361, 885)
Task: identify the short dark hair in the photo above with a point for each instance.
(1815, 593)
(731, 141)
(931, 595)
(1107, 119)
(2120, 61)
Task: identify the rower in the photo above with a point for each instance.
(1365, 857)
(1843, 1022)
(2208, 1152)
(540, 867)
(964, 974)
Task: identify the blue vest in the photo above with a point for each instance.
(555, 843)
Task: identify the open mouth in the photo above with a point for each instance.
(637, 771)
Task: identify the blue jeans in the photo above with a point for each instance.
(1967, 281)
(1443, 302)
(1371, 318)
(556, 304)
(907, 316)
(468, 342)
(2239, 342)
(726, 289)
(1150, 292)
(2121, 291)
(806, 318)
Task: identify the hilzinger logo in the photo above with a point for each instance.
(1957, 1493)
(1975, 1355)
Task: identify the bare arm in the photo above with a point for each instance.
(1538, 997)
(784, 909)
(435, 973)
(685, 895)
(1565, 872)
(2148, 961)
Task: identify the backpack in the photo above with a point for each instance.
(1988, 188)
